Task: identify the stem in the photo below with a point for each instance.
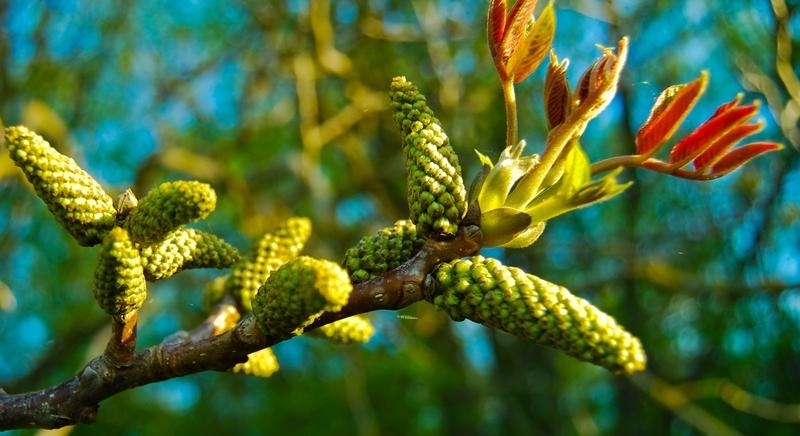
(511, 111)
(628, 160)
(122, 345)
(77, 399)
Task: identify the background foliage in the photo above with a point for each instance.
(282, 107)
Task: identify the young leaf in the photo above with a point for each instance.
(703, 137)
(725, 143)
(496, 25)
(518, 19)
(535, 46)
(669, 111)
(501, 225)
(741, 156)
(557, 99)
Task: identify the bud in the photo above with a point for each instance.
(436, 194)
(76, 200)
(119, 284)
(382, 252)
(262, 363)
(273, 250)
(557, 97)
(186, 249)
(299, 292)
(488, 292)
(167, 207)
(353, 329)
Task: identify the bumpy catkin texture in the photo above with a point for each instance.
(384, 251)
(487, 292)
(262, 363)
(186, 249)
(72, 195)
(167, 207)
(273, 250)
(214, 293)
(436, 195)
(298, 293)
(119, 285)
(356, 328)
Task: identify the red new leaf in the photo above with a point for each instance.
(721, 146)
(516, 23)
(557, 97)
(724, 119)
(741, 156)
(536, 45)
(496, 25)
(669, 111)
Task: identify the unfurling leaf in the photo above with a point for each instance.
(537, 43)
(741, 156)
(727, 117)
(667, 114)
(715, 152)
(502, 225)
(557, 97)
(496, 25)
(518, 20)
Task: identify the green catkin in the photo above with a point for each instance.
(356, 328)
(488, 292)
(167, 207)
(262, 363)
(436, 194)
(186, 249)
(119, 284)
(214, 293)
(72, 195)
(273, 250)
(384, 251)
(297, 293)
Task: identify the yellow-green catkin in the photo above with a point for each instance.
(356, 328)
(167, 207)
(436, 194)
(72, 195)
(214, 293)
(119, 284)
(262, 363)
(297, 293)
(273, 250)
(186, 249)
(488, 292)
(384, 251)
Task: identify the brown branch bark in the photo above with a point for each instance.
(77, 400)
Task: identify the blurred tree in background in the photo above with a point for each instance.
(283, 108)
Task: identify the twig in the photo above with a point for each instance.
(122, 345)
(77, 400)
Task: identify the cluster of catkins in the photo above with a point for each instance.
(479, 289)
(287, 292)
(144, 242)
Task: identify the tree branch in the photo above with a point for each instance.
(76, 401)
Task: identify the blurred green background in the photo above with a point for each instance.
(282, 107)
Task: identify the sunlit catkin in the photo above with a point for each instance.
(383, 251)
(273, 250)
(72, 195)
(436, 194)
(488, 292)
(186, 249)
(299, 292)
(167, 207)
(356, 328)
(119, 284)
(262, 363)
